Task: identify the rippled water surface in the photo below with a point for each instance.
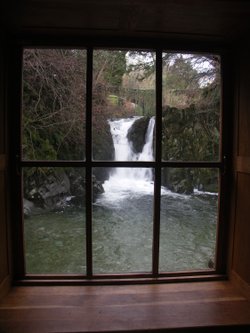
(122, 235)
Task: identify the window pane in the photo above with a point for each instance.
(53, 106)
(122, 222)
(123, 103)
(189, 208)
(191, 107)
(54, 220)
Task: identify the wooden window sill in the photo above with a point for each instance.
(187, 307)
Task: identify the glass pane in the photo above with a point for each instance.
(191, 107)
(123, 104)
(189, 209)
(122, 222)
(54, 220)
(53, 105)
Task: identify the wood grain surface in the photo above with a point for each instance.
(124, 308)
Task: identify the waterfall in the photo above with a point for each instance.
(124, 181)
(147, 152)
(124, 152)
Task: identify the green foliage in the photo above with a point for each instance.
(180, 75)
(113, 100)
(109, 67)
(141, 63)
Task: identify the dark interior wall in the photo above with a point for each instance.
(4, 265)
(241, 243)
(114, 20)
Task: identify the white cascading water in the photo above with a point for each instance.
(147, 152)
(124, 182)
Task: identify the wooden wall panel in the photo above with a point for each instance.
(4, 254)
(244, 106)
(3, 231)
(241, 257)
(2, 122)
(241, 245)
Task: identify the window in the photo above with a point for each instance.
(121, 163)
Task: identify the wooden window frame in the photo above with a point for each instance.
(16, 164)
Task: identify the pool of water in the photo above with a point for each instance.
(123, 233)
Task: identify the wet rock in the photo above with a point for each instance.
(29, 208)
(178, 180)
(97, 187)
(77, 184)
(103, 150)
(48, 191)
(137, 132)
(211, 264)
(56, 190)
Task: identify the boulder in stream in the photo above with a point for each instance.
(137, 133)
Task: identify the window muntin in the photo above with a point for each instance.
(92, 262)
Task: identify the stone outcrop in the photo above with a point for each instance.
(57, 189)
(47, 190)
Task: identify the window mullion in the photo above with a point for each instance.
(157, 180)
(88, 175)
